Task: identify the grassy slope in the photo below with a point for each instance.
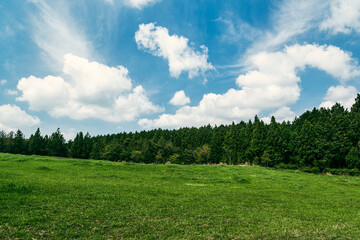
(65, 198)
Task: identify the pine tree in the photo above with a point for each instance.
(36, 143)
(97, 150)
(87, 146)
(339, 142)
(230, 145)
(56, 145)
(352, 158)
(257, 146)
(19, 143)
(354, 131)
(274, 152)
(216, 148)
(76, 148)
(307, 150)
(2, 141)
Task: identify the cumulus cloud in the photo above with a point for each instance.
(13, 118)
(343, 18)
(340, 94)
(88, 90)
(3, 82)
(179, 99)
(69, 134)
(213, 109)
(271, 83)
(44, 93)
(94, 82)
(181, 57)
(282, 114)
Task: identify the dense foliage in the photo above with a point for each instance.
(318, 140)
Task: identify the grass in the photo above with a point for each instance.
(45, 197)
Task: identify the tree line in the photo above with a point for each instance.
(320, 140)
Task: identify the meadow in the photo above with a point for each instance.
(61, 198)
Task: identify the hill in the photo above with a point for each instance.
(48, 197)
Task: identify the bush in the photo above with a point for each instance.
(343, 171)
(309, 169)
(286, 166)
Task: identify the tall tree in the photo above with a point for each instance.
(307, 151)
(230, 145)
(257, 146)
(354, 132)
(87, 146)
(3, 141)
(352, 158)
(37, 143)
(19, 143)
(77, 146)
(216, 148)
(275, 146)
(57, 145)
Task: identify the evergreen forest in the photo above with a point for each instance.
(321, 140)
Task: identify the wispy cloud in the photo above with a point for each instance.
(56, 32)
(344, 17)
(11, 92)
(139, 4)
(6, 31)
(293, 18)
(236, 29)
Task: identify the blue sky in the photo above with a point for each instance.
(107, 66)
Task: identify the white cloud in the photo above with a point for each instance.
(237, 29)
(343, 18)
(69, 134)
(293, 18)
(340, 94)
(213, 109)
(90, 90)
(205, 81)
(176, 49)
(13, 118)
(11, 92)
(44, 93)
(179, 99)
(140, 3)
(94, 82)
(56, 33)
(271, 84)
(3, 82)
(282, 114)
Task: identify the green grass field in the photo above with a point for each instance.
(45, 197)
